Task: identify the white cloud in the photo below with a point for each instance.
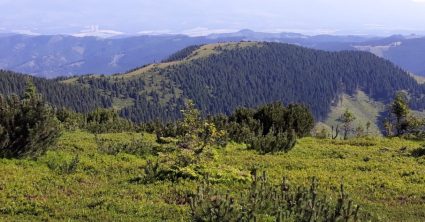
(419, 1)
(96, 32)
(155, 32)
(202, 31)
(25, 32)
(319, 31)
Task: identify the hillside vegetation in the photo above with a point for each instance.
(75, 97)
(221, 77)
(363, 107)
(253, 164)
(79, 180)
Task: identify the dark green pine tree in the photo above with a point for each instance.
(28, 126)
(400, 109)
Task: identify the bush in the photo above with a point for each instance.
(70, 120)
(135, 147)
(264, 201)
(274, 142)
(152, 173)
(63, 166)
(197, 134)
(418, 152)
(27, 125)
(107, 121)
(240, 133)
(270, 128)
(181, 167)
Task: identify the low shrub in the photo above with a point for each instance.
(107, 121)
(63, 166)
(419, 152)
(135, 147)
(272, 143)
(264, 201)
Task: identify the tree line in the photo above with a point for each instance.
(251, 76)
(28, 125)
(224, 81)
(73, 97)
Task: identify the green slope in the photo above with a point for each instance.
(364, 109)
(221, 77)
(383, 178)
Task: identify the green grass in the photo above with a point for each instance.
(383, 179)
(364, 109)
(378, 174)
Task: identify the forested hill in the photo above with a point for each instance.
(75, 97)
(222, 77)
(266, 72)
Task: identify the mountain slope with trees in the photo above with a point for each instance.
(269, 72)
(55, 55)
(74, 97)
(222, 77)
(252, 164)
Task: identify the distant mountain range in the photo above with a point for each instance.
(61, 55)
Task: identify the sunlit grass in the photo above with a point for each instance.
(380, 174)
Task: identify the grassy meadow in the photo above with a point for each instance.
(82, 179)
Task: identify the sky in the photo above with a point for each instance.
(200, 17)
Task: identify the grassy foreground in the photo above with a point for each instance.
(76, 181)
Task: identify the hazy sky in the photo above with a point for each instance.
(203, 16)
